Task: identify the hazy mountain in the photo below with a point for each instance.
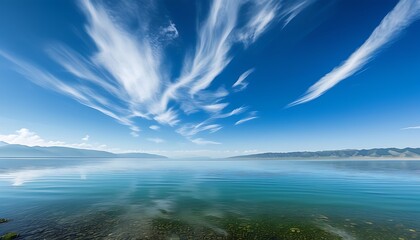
(15, 150)
(385, 153)
(3, 143)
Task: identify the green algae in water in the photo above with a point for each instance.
(9, 236)
(231, 228)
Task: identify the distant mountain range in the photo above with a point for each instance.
(15, 150)
(376, 153)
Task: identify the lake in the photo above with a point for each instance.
(209, 199)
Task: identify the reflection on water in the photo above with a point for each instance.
(171, 199)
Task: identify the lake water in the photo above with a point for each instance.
(203, 199)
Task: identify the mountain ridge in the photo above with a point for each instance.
(17, 150)
(392, 153)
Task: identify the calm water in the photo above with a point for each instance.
(172, 199)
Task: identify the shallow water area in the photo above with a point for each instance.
(209, 199)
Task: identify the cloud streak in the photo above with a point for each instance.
(251, 116)
(411, 128)
(156, 140)
(245, 120)
(201, 141)
(154, 127)
(241, 84)
(403, 14)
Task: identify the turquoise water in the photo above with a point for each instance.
(202, 199)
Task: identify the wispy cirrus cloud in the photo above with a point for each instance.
(411, 128)
(251, 116)
(189, 130)
(245, 120)
(154, 127)
(403, 14)
(201, 141)
(217, 35)
(241, 84)
(263, 14)
(83, 94)
(126, 75)
(156, 140)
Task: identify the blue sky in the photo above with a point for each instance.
(210, 78)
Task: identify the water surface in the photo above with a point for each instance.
(203, 199)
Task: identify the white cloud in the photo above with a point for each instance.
(234, 112)
(217, 107)
(156, 140)
(263, 14)
(134, 134)
(410, 128)
(240, 84)
(245, 120)
(217, 35)
(169, 32)
(169, 117)
(83, 95)
(189, 130)
(294, 9)
(201, 141)
(251, 116)
(86, 138)
(133, 64)
(26, 137)
(154, 127)
(403, 14)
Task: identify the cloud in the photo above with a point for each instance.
(86, 138)
(189, 130)
(217, 107)
(133, 64)
(403, 14)
(294, 9)
(240, 84)
(156, 140)
(154, 127)
(251, 116)
(127, 75)
(216, 36)
(245, 120)
(81, 94)
(134, 134)
(169, 117)
(201, 141)
(26, 137)
(263, 14)
(411, 128)
(169, 32)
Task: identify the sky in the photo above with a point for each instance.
(210, 78)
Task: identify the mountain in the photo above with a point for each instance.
(15, 150)
(3, 143)
(379, 153)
